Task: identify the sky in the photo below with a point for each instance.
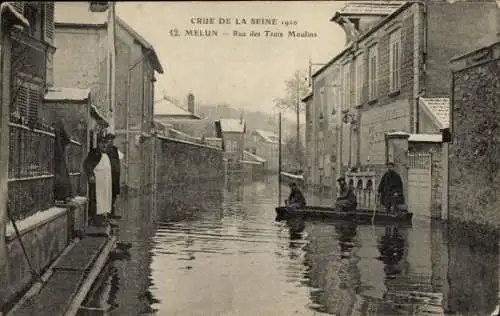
(245, 72)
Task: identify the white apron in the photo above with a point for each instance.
(103, 185)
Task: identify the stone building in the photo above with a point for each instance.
(28, 141)
(393, 66)
(88, 40)
(232, 132)
(264, 144)
(323, 127)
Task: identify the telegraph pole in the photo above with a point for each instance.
(297, 108)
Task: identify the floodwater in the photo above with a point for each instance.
(228, 256)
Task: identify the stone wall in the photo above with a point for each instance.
(45, 236)
(187, 174)
(474, 165)
(437, 172)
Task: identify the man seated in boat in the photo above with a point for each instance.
(390, 190)
(346, 200)
(296, 198)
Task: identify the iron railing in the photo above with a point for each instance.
(32, 169)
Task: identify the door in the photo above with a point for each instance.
(420, 184)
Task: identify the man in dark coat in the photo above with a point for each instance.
(346, 200)
(390, 189)
(114, 158)
(296, 198)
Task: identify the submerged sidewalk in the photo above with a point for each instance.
(69, 278)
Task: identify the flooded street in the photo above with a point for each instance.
(230, 257)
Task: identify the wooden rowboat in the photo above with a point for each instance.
(358, 216)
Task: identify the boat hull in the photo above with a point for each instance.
(358, 216)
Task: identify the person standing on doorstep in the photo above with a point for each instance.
(390, 189)
(114, 156)
(97, 167)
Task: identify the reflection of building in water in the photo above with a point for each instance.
(331, 259)
(415, 288)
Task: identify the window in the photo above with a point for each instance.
(346, 85)
(395, 60)
(27, 99)
(359, 79)
(372, 72)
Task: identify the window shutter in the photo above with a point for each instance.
(18, 5)
(22, 100)
(34, 101)
(49, 22)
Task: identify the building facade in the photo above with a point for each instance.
(122, 90)
(394, 57)
(27, 48)
(264, 144)
(323, 127)
(232, 132)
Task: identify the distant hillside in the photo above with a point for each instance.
(254, 119)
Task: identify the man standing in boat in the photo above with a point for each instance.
(296, 198)
(346, 200)
(390, 189)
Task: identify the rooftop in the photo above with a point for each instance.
(67, 94)
(165, 106)
(232, 125)
(370, 8)
(268, 136)
(438, 109)
(249, 156)
(396, 8)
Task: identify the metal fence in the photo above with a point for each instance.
(32, 169)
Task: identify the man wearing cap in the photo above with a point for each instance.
(114, 157)
(390, 189)
(346, 200)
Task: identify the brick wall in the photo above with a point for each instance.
(187, 173)
(437, 172)
(474, 169)
(447, 23)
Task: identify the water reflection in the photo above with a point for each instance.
(223, 254)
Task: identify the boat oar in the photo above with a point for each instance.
(375, 208)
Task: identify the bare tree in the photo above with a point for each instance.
(296, 88)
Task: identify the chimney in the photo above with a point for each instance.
(191, 103)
